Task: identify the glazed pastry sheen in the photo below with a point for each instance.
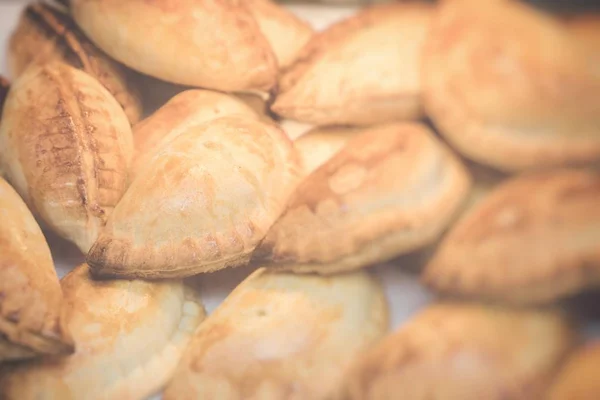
(66, 146)
(202, 203)
(32, 321)
(280, 337)
(129, 334)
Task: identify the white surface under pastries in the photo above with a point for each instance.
(404, 293)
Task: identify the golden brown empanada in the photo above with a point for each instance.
(203, 202)
(363, 70)
(32, 322)
(510, 86)
(282, 336)
(578, 378)
(454, 351)
(285, 32)
(191, 107)
(320, 144)
(532, 239)
(389, 191)
(129, 334)
(46, 34)
(66, 146)
(207, 43)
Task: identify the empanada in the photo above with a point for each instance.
(32, 321)
(282, 336)
(286, 33)
(454, 351)
(207, 43)
(203, 202)
(509, 86)
(320, 144)
(390, 190)
(364, 70)
(66, 146)
(46, 34)
(578, 378)
(533, 239)
(191, 107)
(129, 334)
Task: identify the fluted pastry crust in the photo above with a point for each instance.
(512, 87)
(213, 44)
(129, 334)
(364, 70)
(188, 108)
(66, 146)
(46, 34)
(532, 239)
(32, 321)
(390, 190)
(203, 202)
(282, 336)
(464, 351)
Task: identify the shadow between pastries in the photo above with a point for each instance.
(129, 334)
(452, 351)
(533, 239)
(66, 147)
(44, 34)
(389, 191)
(202, 203)
(364, 70)
(32, 320)
(188, 108)
(281, 336)
(512, 87)
(205, 43)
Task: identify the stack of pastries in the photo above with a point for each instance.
(458, 138)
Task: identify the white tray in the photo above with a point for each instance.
(404, 293)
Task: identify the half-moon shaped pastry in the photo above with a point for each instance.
(391, 190)
(282, 336)
(130, 336)
(361, 71)
(533, 239)
(32, 321)
(510, 86)
(66, 146)
(320, 144)
(206, 43)
(203, 202)
(191, 107)
(454, 351)
(578, 378)
(46, 34)
(285, 32)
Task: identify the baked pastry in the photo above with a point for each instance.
(130, 336)
(320, 144)
(285, 32)
(282, 336)
(578, 378)
(390, 190)
(533, 239)
(31, 315)
(510, 86)
(66, 146)
(454, 351)
(45, 34)
(206, 43)
(191, 107)
(203, 203)
(361, 71)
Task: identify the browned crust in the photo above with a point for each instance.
(74, 48)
